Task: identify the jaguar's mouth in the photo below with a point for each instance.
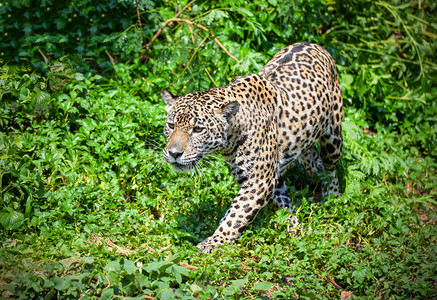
(183, 167)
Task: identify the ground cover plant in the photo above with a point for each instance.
(89, 210)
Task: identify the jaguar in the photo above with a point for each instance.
(262, 124)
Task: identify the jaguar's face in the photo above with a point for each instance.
(194, 127)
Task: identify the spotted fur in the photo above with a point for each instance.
(261, 124)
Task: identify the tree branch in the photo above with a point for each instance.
(189, 62)
(110, 57)
(185, 7)
(179, 20)
(43, 55)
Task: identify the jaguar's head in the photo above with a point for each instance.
(196, 125)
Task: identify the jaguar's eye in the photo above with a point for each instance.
(170, 125)
(197, 129)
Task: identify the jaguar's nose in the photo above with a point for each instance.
(175, 153)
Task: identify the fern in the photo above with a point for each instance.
(214, 16)
(374, 163)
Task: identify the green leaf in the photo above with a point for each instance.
(160, 266)
(214, 15)
(87, 260)
(24, 93)
(113, 266)
(243, 11)
(67, 262)
(195, 288)
(11, 219)
(178, 272)
(79, 76)
(129, 266)
(166, 294)
(107, 294)
(262, 286)
(236, 284)
(61, 284)
(48, 283)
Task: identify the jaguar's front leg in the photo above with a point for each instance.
(254, 194)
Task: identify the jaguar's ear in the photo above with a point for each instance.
(169, 99)
(228, 110)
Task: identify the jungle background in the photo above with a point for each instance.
(89, 210)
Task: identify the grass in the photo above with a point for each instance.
(90, 210)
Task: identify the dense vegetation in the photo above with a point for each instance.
(88, 208)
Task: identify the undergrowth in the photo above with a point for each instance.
(89, 209)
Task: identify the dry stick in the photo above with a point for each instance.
(118, 249)
(165, 248)
(185, 7)
(97, 240)
(191, 33)
(194, 268)
(110, 57)
(166, 23)
(148, 47)
(177, 13)
(210, 77)
(43, 56)
(139, 21)
(150, 249)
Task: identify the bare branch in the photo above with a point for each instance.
(189, 62)
(179, 20)
(110, 57)
(210, 77)
(185, 7)
(43, 55)
(194, 268)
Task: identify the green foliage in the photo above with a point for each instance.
(81, 140)
(388, 67)
(36, 32)
(123, 276)
(385, 50)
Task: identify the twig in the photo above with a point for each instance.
(330, 280)
(151, 250)
(139, 14)
(96, 239)
(110, 57)
(182, 264)
(179, 20)
(119, 250)
(210, 77)
(165, 248)
(105, 194)
(139, 21)
(189, 62)
(177, 13)
(185, 7)
(335, 284)
(43, 56)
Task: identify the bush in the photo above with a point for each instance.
(81, 137)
